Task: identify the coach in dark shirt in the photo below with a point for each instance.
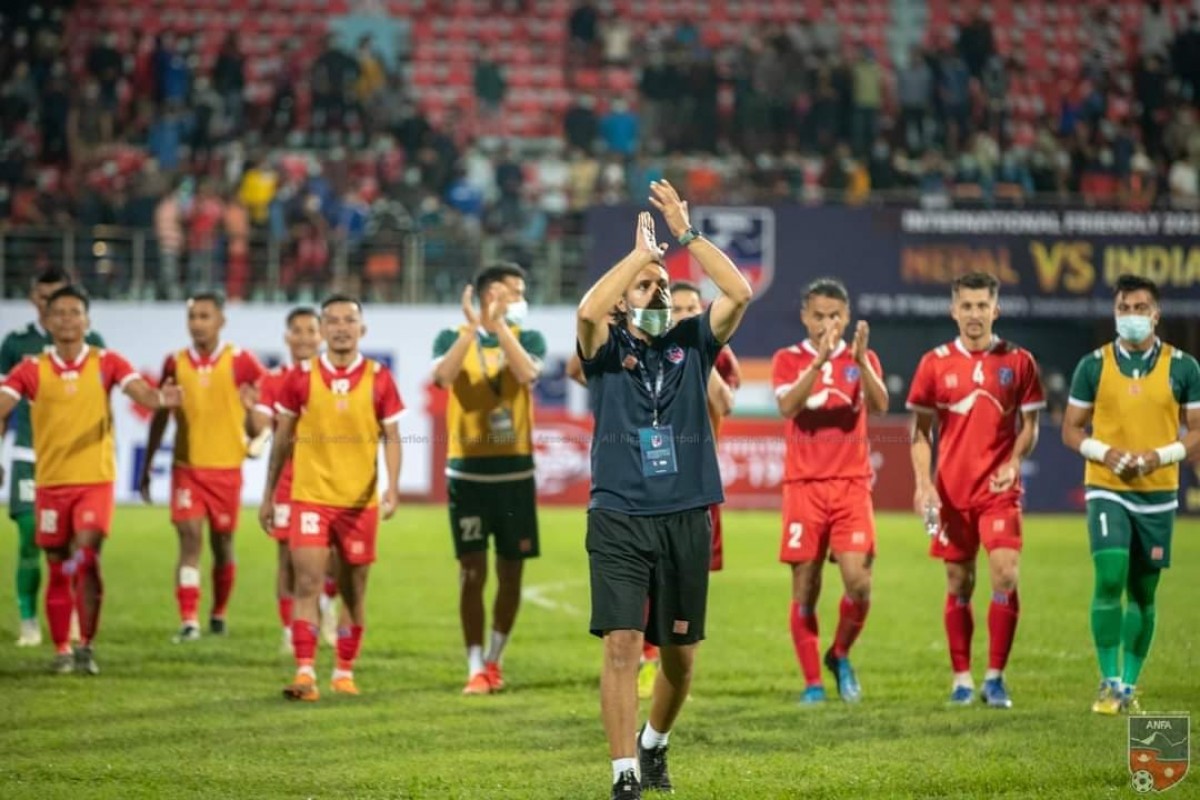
(654, 474)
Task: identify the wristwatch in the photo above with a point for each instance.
(688, 236)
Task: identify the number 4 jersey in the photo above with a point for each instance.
(828, 438)
(977, 398)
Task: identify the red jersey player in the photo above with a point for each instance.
(303, 339)
(825, 391)
(984, 394)
(219, 388)
(333, 413)
(68, 388)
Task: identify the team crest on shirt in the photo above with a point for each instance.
(745, 234)
(1006, 376)
(851, 373)
(674, 354)
(204, 375)
(951, 381)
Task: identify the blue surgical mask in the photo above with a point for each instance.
(1135, 328)
(515, 313)
(652, 321)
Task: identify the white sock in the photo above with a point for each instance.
(992, 674)
(652, 738)
(474, 659)
(497, 647)
(307, 670)
(1115, 681)
(622, 765)
(338, 674)
(964, 679)
(324, 603)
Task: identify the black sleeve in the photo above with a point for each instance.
(595, 364)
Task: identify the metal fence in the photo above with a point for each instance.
(431, 266)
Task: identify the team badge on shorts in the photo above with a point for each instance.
(1159, 751)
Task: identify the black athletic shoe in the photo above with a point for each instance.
(216, 626)
(627, 787)
(655, 774)
(85, 662)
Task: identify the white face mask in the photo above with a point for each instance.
(516, 312)
(1135, 328)
(652, 321)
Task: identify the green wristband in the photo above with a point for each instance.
(688, 236)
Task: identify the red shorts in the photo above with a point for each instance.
(63, 511)
(962, 531)
(281, 531)
(351, 530)
(819, 516)
(212, 494)
(717, 562)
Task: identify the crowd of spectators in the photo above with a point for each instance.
(339, 156)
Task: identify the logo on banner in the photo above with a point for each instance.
(1159, 751)
(746, 235)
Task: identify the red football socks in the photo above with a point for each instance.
(349, 641)
(222, 576)
(304, 642)
(1002, 627)
(86, 567)
(960, 627)
(58, 607)
(285, 610)
(188, 598)
(804, 639)
(851, 616)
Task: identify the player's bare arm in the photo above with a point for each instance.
(720, 395)
(1007, 475)
(281, 452)
(575, 370)
(793, 400)
(158, 426)
(921, 452)
(1187, 448)
(168, 397)
(726, 311)
(874, 389)
(392, 458)
(524, 367)
(446, 368)
(1075, 425)
(595, 309)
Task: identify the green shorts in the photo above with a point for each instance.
(20, 489)
(650, 573)
(1114, 526)
(506, 511)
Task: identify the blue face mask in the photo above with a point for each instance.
(1135, 328)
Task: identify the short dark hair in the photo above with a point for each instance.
(1135, 283)
(334, 299)
(827, 287)
(686, 286)
(51, 275)
(496, 273)
(300, 311)
(207, 297)
(70, 290)
(976, 280)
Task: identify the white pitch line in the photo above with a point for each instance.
(537, 595)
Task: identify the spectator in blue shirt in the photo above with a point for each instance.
(619, 129)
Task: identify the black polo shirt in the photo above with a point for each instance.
(621, 401)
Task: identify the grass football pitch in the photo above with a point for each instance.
(206, 720)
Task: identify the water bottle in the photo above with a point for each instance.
(933, 521)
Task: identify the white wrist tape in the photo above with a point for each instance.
(1172, 453)
(1094, 450)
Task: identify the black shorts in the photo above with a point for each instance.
(650, 574)
(506, 511)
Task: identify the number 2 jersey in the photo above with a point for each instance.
(977, 398)
(828, 438)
